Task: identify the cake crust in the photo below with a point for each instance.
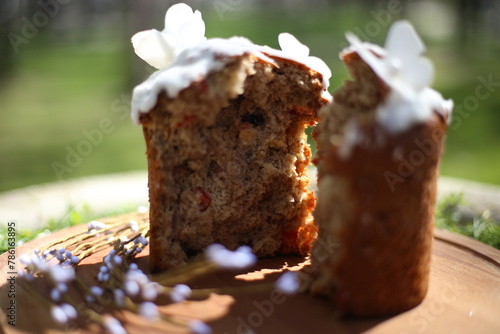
(377, 193)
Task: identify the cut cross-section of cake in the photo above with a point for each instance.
(379, 146)
(227, 153)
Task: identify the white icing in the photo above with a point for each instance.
(183, 28)
(402, 68)
(292, 49)
(184, 55)
(191, 65)
(353, 136)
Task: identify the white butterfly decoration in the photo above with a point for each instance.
(183, 28)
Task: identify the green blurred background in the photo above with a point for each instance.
(67, 70)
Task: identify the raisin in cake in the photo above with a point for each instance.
(379, 146)
(227, 154)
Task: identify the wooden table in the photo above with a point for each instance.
(464, 297)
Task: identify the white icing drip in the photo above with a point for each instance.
(401, 67)
(191, 65)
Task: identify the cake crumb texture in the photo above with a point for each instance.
(227, 161)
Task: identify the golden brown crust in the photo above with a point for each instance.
(375, 203)
(230, 168)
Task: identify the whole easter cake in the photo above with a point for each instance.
(379, 146)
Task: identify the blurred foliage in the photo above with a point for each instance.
(75, 216)
(480, 227)
(57, 89)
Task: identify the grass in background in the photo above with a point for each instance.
(448, 217)
(75, 216)
(480, 227)
(56, 94)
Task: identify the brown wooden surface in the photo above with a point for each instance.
(464, 297)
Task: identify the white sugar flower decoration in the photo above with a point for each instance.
(183, 28)
(401, 66)
(291, 46)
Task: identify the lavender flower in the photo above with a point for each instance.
(136, 275)
(241, 258)
(141, 240)
(62, 287)
(113, 326)
(70, 311)
(33, 262)
(58, 314)
(90, 299)
(96, 290)
(102, 277)
(117, 260)
(62, 313)
(149, 310)
(199, 327)
(132, 288)
(25, 259)
(112, 259)
(150, 291)
(288, 283)
(59, 274)
(119, 296)
(55, 295)
(180, 292)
